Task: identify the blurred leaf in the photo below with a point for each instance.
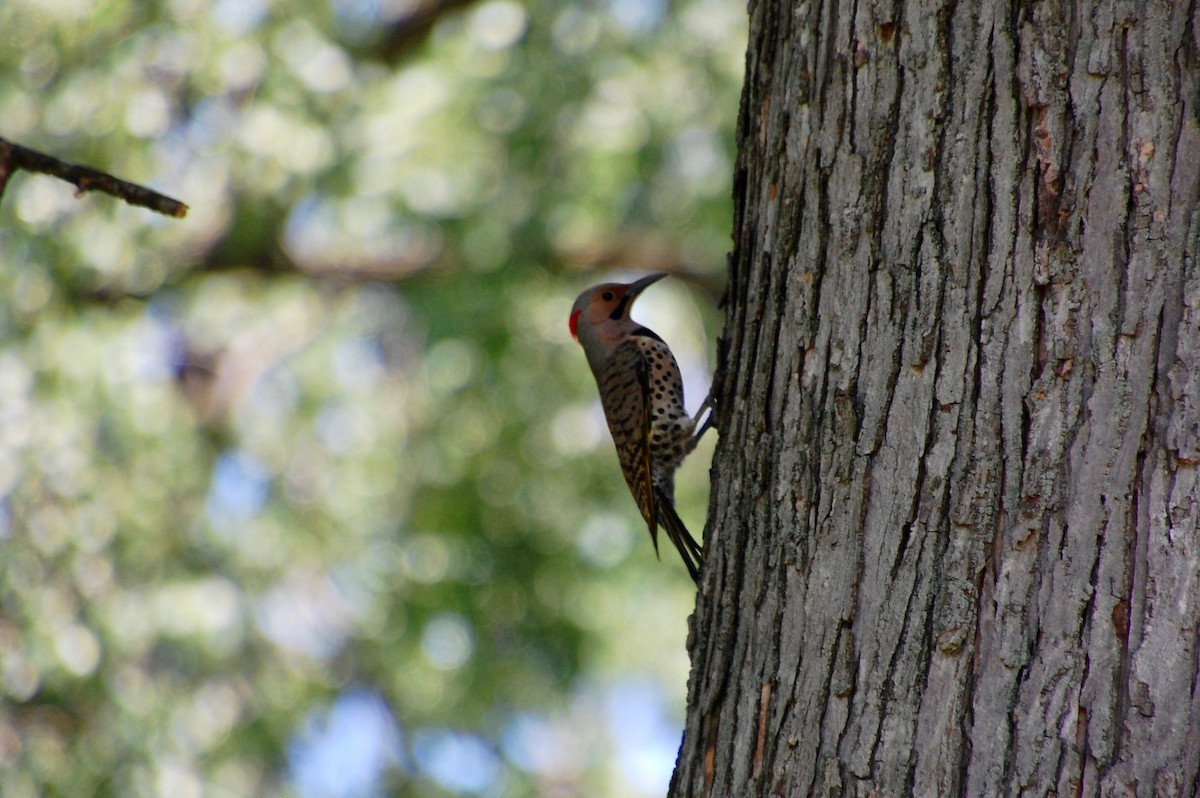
(325, 446)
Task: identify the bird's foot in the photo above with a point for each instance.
(709, 407)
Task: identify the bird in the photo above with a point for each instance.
(641, 391)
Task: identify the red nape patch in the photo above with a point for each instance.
(575, 323)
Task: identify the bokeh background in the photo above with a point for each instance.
(309, 493)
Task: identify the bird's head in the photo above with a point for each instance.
(606, 307)
(600, 317)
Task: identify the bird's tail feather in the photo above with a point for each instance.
(689, 549)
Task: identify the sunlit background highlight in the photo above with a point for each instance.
(309, 493)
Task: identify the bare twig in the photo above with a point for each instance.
(14, 157)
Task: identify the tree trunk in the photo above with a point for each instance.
(952, 544)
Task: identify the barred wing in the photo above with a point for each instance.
(625, 396)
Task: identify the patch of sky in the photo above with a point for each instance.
(345, 751)
(646, 739)
(239, 17)
(638, 16)
(241, 485)
(459, 762)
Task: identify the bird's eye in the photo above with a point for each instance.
(607, 296)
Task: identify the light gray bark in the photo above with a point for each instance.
(953, 543)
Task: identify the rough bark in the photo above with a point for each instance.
(953, 540)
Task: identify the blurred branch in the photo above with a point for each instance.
(641, 251)
(644, 251)
(14, 157)
(263, 254)
(412, 28)
(263, 257)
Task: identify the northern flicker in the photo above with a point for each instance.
(641, 392)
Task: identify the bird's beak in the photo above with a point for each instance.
(638, 286)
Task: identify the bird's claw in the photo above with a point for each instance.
(709, 406)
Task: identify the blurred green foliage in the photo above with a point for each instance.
(309, 492)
